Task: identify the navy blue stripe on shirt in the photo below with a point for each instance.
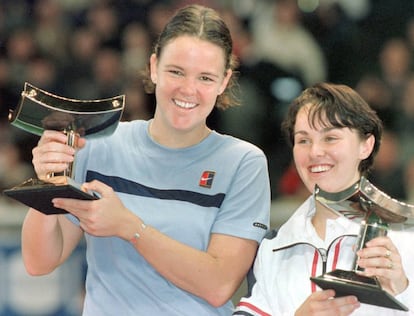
(126, 186)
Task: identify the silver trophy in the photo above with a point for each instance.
(39, 110)
(378, 210)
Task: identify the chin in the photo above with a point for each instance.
(327, 187)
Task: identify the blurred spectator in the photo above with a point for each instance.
(280, 37)
(13, 15)
(42, 72)
(138, 104)
(394, 68)
(409, 181)
(13, 169)
(405, 126)
(103, 19)
(242, 38)
(409, 35)
(83, 46)
(378, 95)
(20, 48)
(108, 77)
(8, 99)
(340, 39)
(136, 48)
(388, 171)
(50, 28)
(158, 15)
(382, 22)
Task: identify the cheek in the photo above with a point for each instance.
(211, 91)
(164, 86)
(209, 96)
(301, 164)
(299, 156)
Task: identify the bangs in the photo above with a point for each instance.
(326, 114)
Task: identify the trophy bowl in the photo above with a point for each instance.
(39, 110)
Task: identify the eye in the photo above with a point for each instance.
(175, 72)
(331, 138)
(302, 140)
(206, 78)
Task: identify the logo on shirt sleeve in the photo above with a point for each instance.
(206, 179)
(260, 225)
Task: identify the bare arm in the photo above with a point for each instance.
(213, 275)
(47, 241)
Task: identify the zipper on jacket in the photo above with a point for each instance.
(323, 253)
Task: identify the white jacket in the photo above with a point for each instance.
(285, 263)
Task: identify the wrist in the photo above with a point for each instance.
(140, 230)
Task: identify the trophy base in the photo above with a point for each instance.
(38, 194)
(366, 289)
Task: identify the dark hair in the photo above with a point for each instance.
(337, 106)
(203, 23)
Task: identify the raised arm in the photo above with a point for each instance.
(48, 240)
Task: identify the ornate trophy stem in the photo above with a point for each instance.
(72, 140)
(371, 227)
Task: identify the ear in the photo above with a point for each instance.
(367, 146)
(225, 82)
(153, 68)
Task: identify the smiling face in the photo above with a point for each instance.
(189, 75)
(328, 156)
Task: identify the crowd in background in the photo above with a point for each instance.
(95, 49)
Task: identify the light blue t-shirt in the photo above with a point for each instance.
(220, 185)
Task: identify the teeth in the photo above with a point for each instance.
(185, 105)
(320, 168)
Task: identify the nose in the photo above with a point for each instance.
(189, 86)
(317, 149)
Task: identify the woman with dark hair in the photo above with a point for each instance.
(182, 208)
(335, 136)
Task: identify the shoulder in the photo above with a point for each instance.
(129, 129)
(127, 125)
(293, 230)
(238, 145)
(125, 132)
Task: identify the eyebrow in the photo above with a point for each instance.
(324, 130)
(202, 74)
(300, 132)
